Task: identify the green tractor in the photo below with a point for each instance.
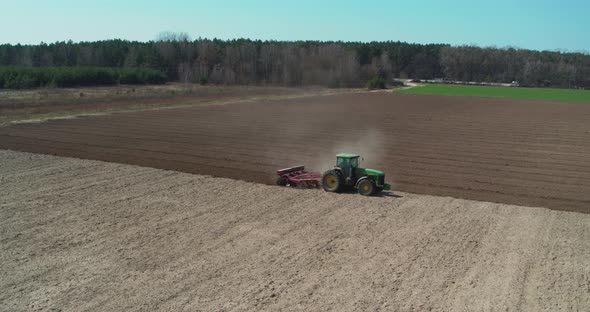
(348, 175)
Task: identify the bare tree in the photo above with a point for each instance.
(173, 36)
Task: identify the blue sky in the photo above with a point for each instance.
(541, 24)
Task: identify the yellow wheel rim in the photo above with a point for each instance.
(330, 181)
(365, 187)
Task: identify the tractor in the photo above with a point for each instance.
(348, 175)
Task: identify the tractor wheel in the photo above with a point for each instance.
(366, 187)
(332, 181)
(282, 181)
(378, 190)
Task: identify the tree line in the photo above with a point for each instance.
(34, 77)
(529, 68)
(332, 64)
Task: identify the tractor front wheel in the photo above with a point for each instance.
(366, 187)
(332, 181)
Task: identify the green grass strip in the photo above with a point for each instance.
(566, 95)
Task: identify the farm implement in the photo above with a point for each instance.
(298, 177)
(345, 175)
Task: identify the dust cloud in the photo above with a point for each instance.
(368, 144)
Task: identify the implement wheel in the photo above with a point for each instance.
(366, 187)
(282, 181)
(332, 181)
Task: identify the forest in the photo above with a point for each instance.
(300, 63)
(61, 77)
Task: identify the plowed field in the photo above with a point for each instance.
(533, 153)
(81, 235)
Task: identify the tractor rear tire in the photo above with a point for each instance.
(366, 187)
(332, 181)
(282, 181)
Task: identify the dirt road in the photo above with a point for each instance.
(531, 153)
(43, 104)
(81, 235)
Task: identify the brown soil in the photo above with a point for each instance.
(521, 152)
(80, 235)
(48, 103)
(54, 98)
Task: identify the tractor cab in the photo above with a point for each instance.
(347, 160)
(348, 164)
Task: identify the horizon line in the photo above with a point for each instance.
(190, 39)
